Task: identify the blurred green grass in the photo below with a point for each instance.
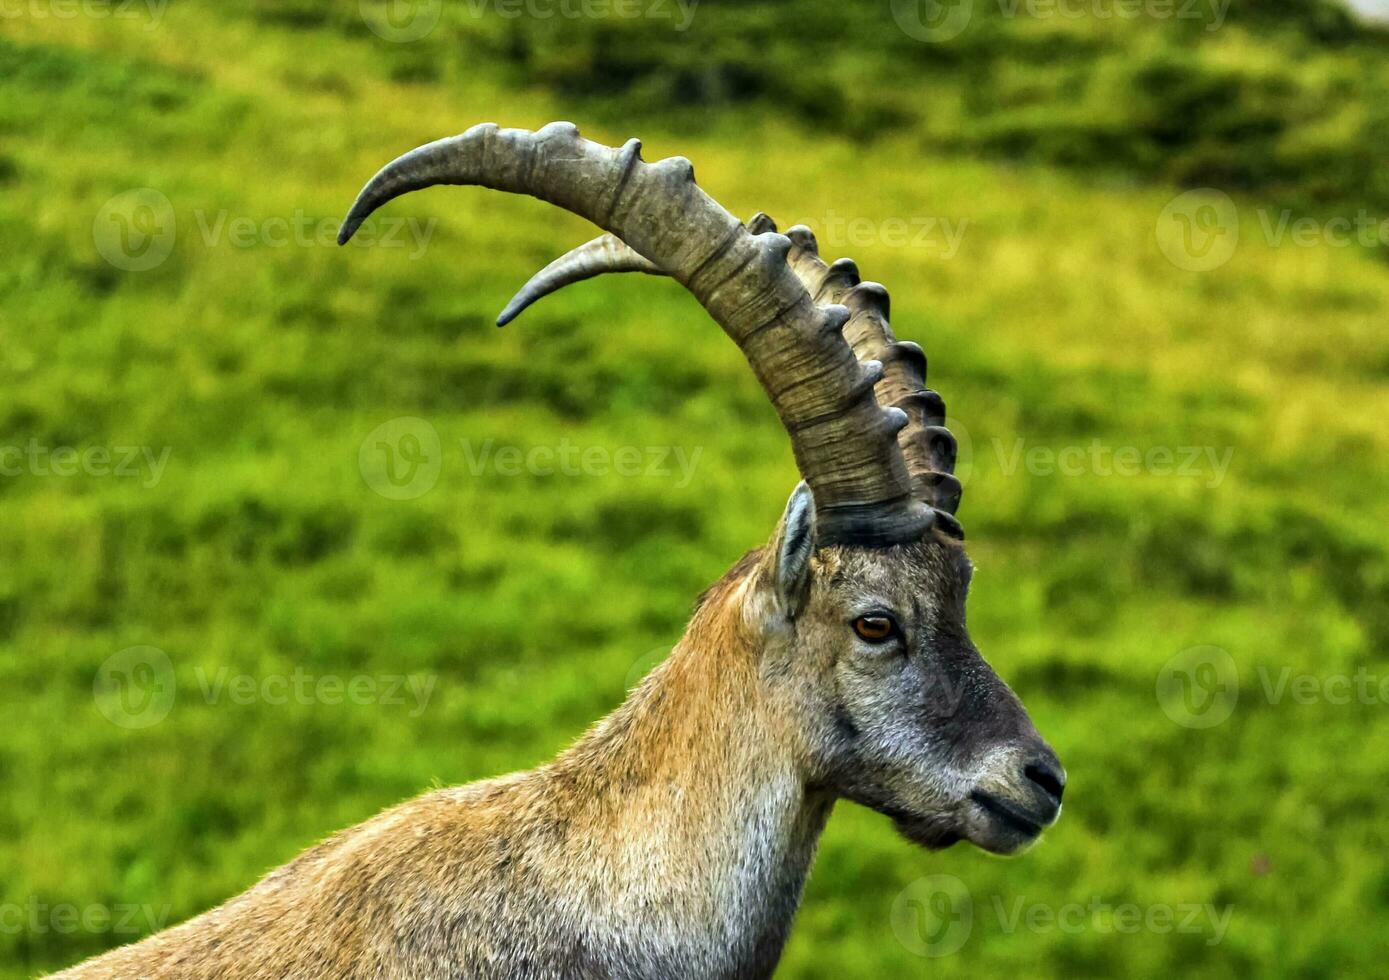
(531, 599)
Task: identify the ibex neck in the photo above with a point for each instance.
(706, 829)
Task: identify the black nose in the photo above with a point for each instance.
(1044, 770)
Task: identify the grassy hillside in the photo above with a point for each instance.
(234, 526)
(1288, 99)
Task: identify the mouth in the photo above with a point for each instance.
(1009, 814)
(996, 823)
(1007, 827)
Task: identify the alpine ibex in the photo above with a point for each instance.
(673, 840)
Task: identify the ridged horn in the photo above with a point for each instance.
(928, 447)
(844, 443)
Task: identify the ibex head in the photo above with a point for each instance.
(894, 705)
(857, 607)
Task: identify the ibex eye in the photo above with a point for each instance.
(875, 629)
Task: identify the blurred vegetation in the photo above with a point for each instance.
(1054, 143)
(1285, 98)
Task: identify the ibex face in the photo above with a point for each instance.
(898, 710)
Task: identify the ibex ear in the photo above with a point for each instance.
(791, 550)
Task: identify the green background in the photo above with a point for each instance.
(1070, 314)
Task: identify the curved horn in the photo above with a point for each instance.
(606, 253)
(929, 448)
(845, 444)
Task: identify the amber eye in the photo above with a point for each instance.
(875, 629)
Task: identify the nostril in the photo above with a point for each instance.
(1046, 776)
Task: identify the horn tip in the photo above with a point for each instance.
(512, 311)
(350, 224)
